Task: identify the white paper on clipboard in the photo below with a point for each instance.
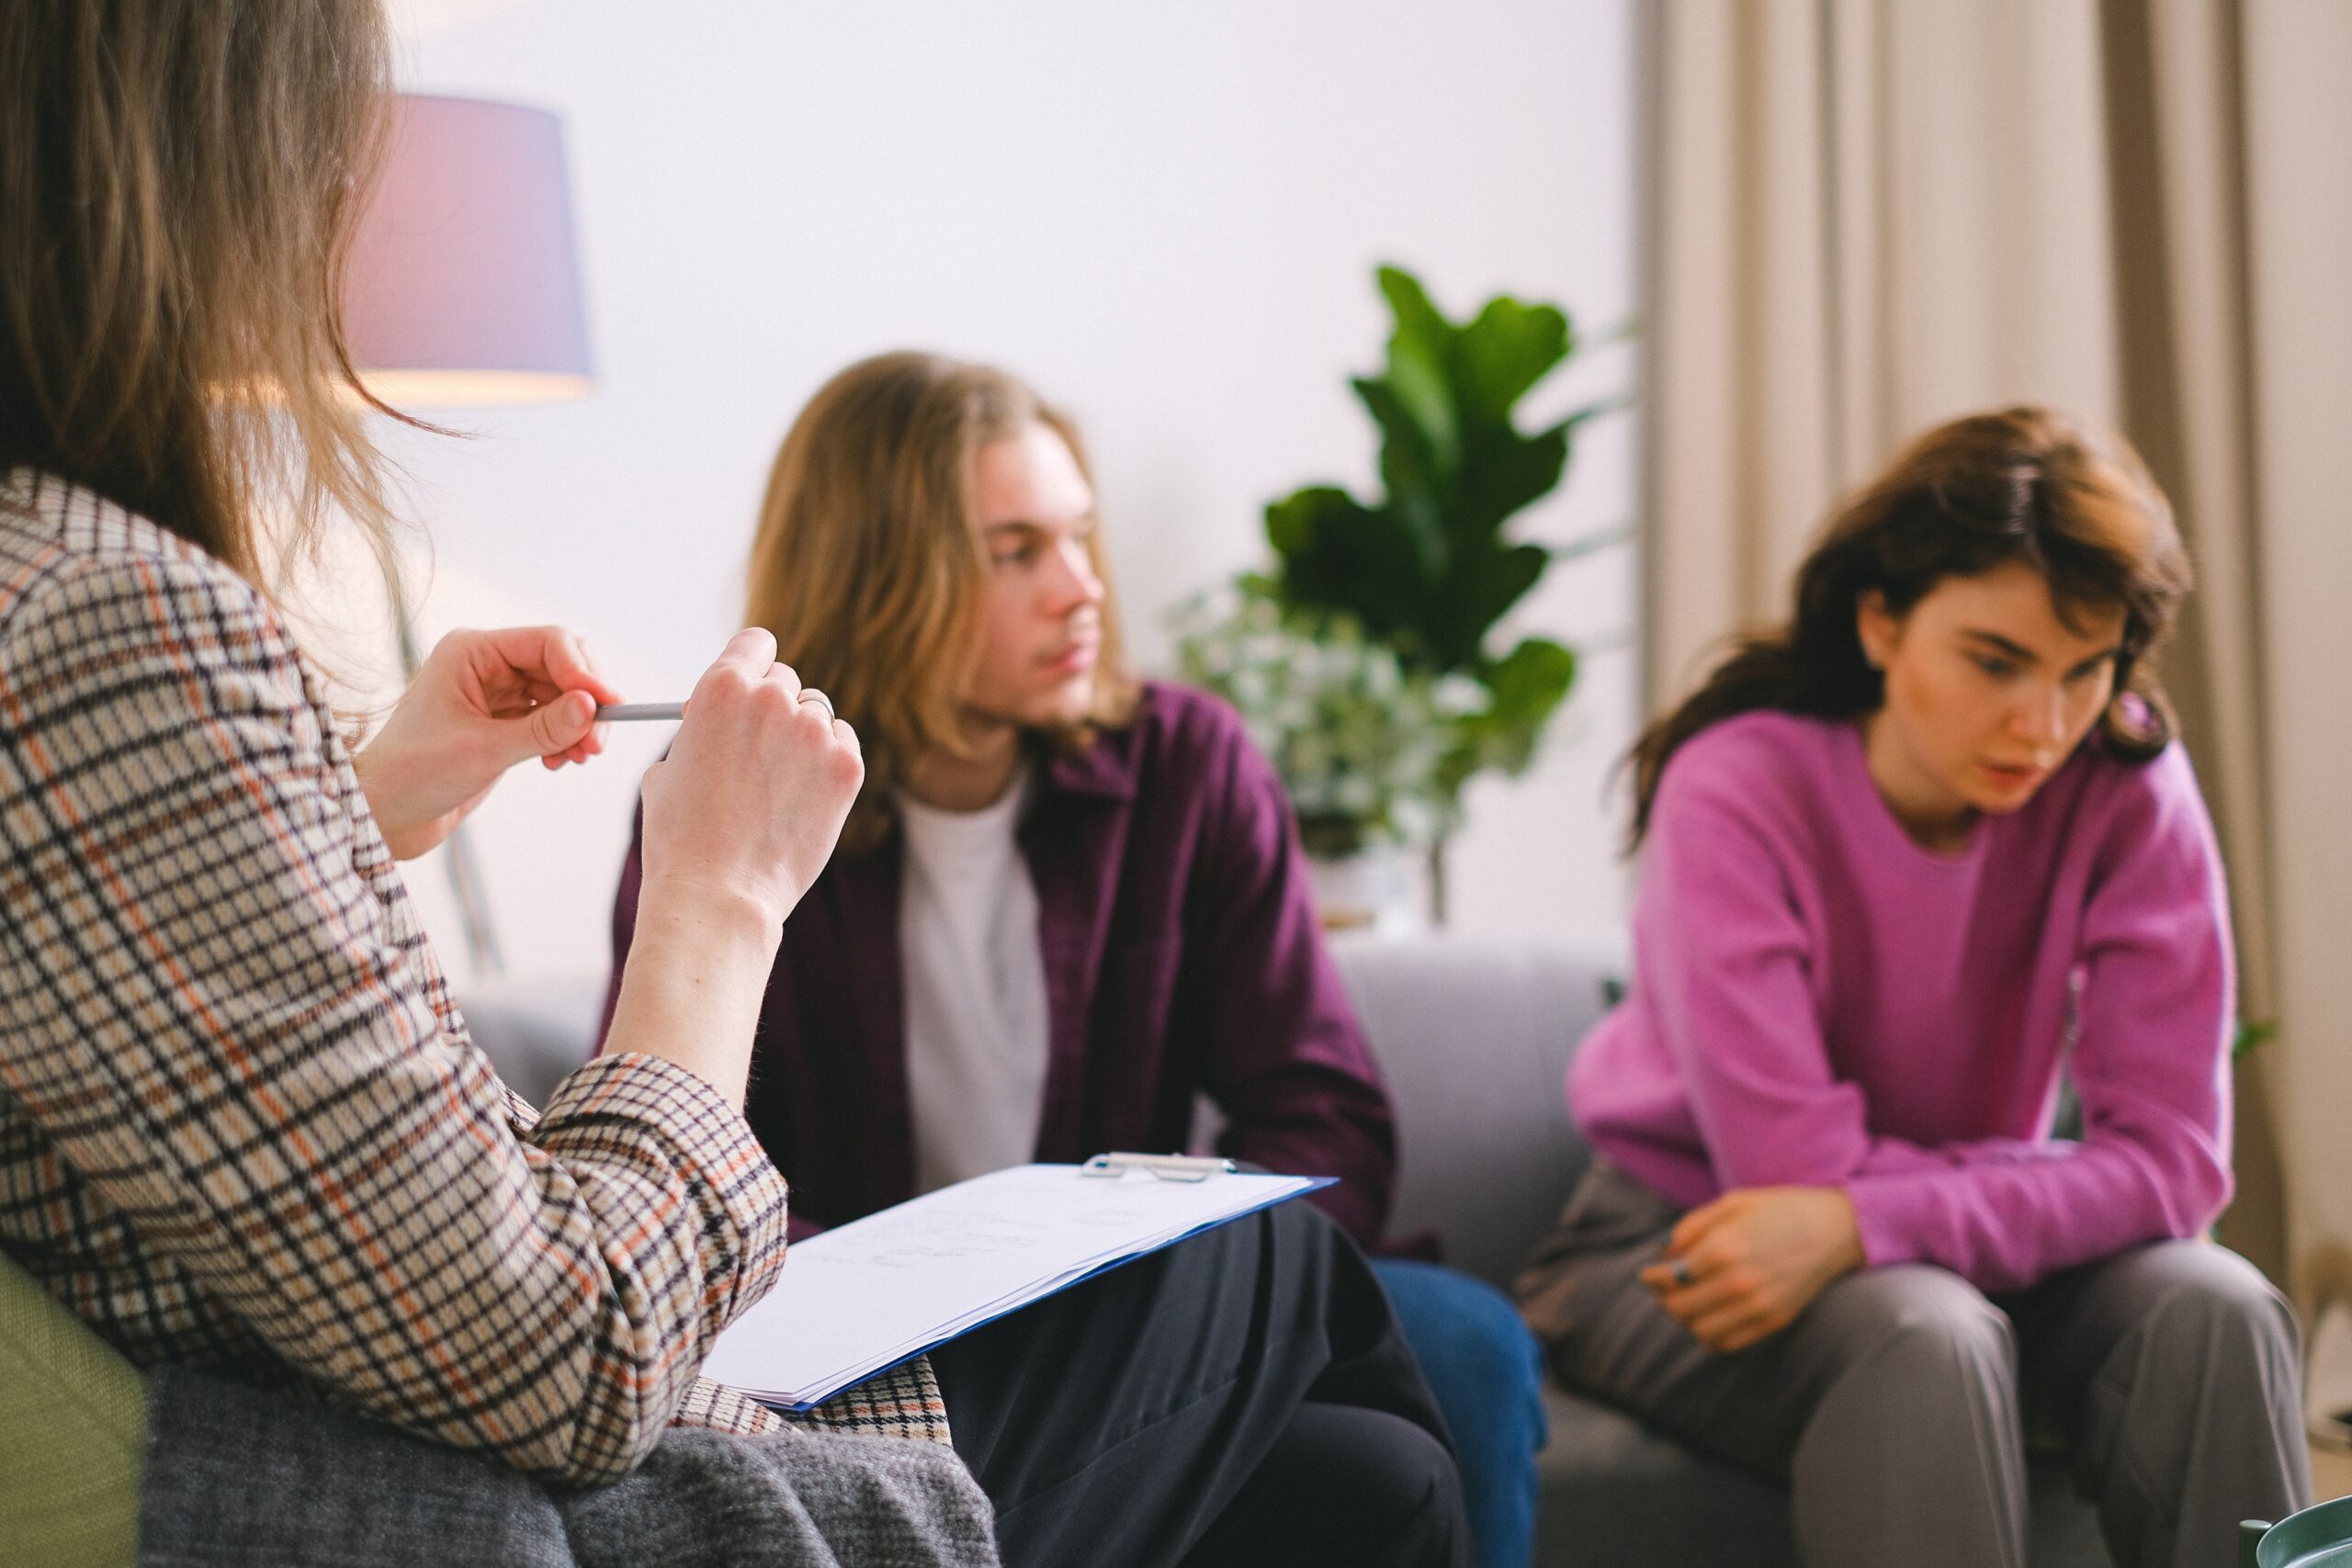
(862, 1298)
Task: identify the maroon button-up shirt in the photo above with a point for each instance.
(1182, 954)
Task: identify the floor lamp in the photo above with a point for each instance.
(461, 289)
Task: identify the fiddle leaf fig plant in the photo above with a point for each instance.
(1426, 570)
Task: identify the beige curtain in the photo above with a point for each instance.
(1871, 215)
(2295, 97)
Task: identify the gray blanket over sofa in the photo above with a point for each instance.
(236, 1478)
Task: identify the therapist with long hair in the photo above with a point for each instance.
(242, 1126)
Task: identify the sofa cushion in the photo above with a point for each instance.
(1614, 1492)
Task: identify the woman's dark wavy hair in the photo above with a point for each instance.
(2022, 484)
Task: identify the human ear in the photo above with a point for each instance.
(1877, 627)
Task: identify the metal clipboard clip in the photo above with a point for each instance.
(1166, 1168)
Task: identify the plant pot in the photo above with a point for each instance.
(1380, 888)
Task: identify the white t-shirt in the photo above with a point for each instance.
(975, 989)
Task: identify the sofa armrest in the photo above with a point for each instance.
(70, 1441)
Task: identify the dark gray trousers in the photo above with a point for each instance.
(1894, 1409)
(1244, 1398)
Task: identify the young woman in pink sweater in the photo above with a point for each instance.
(1910, 860)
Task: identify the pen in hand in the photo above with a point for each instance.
(623, 713)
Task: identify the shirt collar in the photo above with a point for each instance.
(1104, 771)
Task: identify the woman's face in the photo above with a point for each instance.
(1988, 690)
(1042, 618)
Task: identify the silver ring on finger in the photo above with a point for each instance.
(1680, 1271)
(810, 694)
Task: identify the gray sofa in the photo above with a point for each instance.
(1475, 1038)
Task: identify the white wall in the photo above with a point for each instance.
(1165, 216)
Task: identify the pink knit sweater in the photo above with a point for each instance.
(1819, 1001)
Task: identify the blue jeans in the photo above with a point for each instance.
(1486, 1372)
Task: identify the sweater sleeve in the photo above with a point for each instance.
(1288, 1063)
(224, 1036)
(2151, 1067)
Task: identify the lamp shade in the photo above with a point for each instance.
(462, 284)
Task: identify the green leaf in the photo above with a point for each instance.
(1524, 687)
(1503, 474)
(1531, 679)
(1419, 349)
(1412, 467)
(1506, 350)
(1293, 523)
(1338, 553)
(1483, 584)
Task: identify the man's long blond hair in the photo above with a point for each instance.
(869, 570)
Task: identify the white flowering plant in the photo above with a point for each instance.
(1361, 741)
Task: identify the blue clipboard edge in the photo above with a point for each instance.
(1314, 1184)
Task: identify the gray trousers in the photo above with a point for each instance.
(1895, 1408)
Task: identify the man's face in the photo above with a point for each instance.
(1041, 621)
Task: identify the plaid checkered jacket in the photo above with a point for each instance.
(242, 1124)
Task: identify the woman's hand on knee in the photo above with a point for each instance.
(480, 703)
(748, 805)
(1740, 1269)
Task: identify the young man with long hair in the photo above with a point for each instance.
(1069, 905)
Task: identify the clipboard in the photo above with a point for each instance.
(1167, 1167)
(855, 1301)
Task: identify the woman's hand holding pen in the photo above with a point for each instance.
(738, 820)
(1741, 1268)
(748, 805)
(480, 703)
